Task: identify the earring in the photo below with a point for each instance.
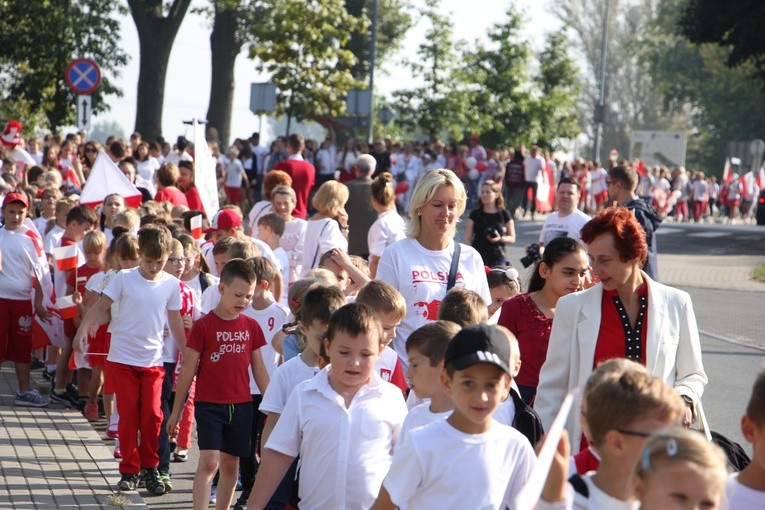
(419, 213)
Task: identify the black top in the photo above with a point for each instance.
(493, 254)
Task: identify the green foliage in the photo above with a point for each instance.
(38, 40)
(559, 79)
(393, 22)
(303, 45)
(443, 104)
(488, 90)
(735, 25)
(723, 104)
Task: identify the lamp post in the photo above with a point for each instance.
(600, 108)
(373, 57)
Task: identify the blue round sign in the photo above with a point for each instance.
(83, 76)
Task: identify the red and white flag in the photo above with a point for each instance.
(726, 175)
(106, 179)
(761, 178)
(68, 257)
(204, 171)
(67, 308)
(196, 226)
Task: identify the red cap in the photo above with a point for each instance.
(224, 220)
(11, 136)
(16, 197)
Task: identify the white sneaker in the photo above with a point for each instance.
(30, 398)
(214, 494)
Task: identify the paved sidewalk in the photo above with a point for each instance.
(53, 458)
(725, 272)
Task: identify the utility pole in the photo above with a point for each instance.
(370, 127)
(600, 108)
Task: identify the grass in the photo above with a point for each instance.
(759, 273)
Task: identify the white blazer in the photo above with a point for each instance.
(673, 350)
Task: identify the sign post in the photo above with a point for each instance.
(84, 77)
(84, 107)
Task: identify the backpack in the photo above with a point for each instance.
(737, 457)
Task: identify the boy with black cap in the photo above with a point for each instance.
(468, 457)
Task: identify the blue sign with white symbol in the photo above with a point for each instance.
(83, 76)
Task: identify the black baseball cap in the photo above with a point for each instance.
(478, 343)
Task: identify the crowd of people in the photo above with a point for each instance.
(335, 346)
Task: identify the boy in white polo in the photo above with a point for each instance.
(467, 458)
(344, 423)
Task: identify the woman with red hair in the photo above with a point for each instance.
(626, 315)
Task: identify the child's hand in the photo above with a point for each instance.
(187, 322)
(173, 427)
(555, 485)
(42, 312)
(341, 258)
(77, 297)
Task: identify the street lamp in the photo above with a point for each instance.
(373, 57)
(600, 108)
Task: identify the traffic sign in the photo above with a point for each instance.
(84, 107)
(83, 76)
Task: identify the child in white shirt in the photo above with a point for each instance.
(149, 299)
(319, 303)
(426, 348)
(270, 230)
(747, 488)
(467, 458)
(344, 423)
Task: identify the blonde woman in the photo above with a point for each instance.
(419, 265)
(328, 228)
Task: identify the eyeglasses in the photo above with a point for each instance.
(176, 261)
(90, 149)
(635, 433)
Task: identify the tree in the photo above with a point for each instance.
(735, 25)
(631, 100)
(721, 104)
(393, 22)
(157, 23)
(443, 105)
(38, 40)
(230, 33)
(303, 45)
(504, 92)
(559, 80)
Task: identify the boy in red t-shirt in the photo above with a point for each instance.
(222, 346)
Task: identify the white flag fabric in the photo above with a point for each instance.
(204, 172)
(529, 495)
(106, 179)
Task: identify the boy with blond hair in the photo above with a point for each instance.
(270, 231)
(468, 458)
(390, 307)
(464, 307)
(747, 489)
(622, 411)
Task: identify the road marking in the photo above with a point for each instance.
(668, 230)
(730, 340)
(710, 234)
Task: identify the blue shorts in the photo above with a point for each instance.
(224, 427)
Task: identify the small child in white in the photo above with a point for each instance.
(344, 423)
(467, 459)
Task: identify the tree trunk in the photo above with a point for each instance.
(225, 46)
(156, 34)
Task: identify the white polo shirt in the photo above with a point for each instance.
(286, 377)
(345, 452)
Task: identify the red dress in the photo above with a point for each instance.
(532, 329)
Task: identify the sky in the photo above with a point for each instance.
(187, 86)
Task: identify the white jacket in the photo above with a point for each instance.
(673, 350)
